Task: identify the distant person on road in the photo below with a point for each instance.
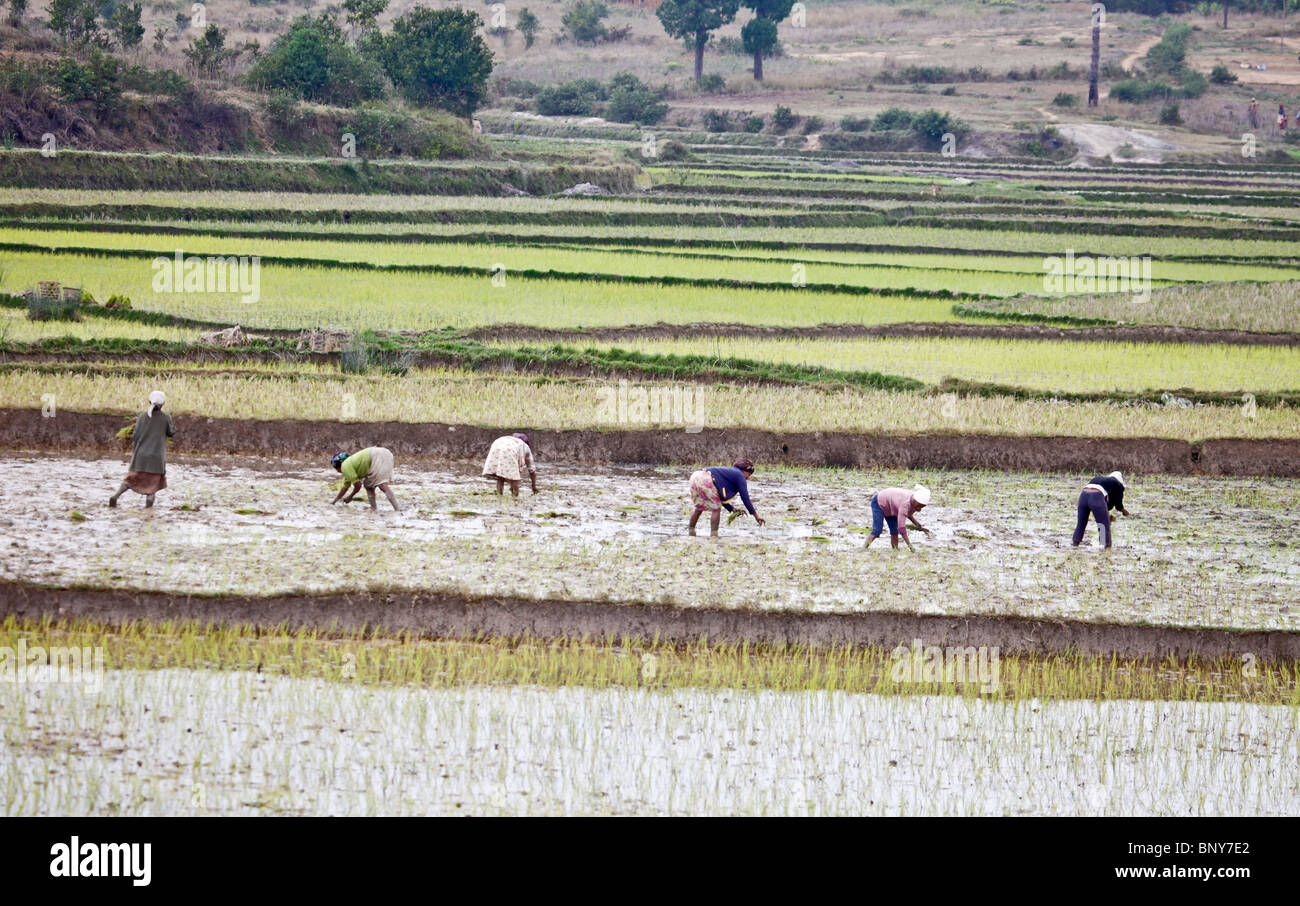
(507, 460)
(147, 473)
(1098, 498)
(371, 468)
(896, 507)
(1281, 118)
(1252, 113)
(712, 488)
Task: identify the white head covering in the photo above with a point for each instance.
(921, 494)
(1118, 477)
(156, 399)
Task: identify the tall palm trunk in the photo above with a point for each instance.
(1094, 98)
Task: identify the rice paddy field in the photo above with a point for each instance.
(577, 652)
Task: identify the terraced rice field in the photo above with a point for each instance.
(742, 281)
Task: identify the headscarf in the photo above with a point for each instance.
(156, 399)
(744, 465)
(921, 494)
(520, 436)
(1118, 477)
(336, 461)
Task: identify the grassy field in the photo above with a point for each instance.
(555, 403)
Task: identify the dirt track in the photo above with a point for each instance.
(443, 616)
(81, 432)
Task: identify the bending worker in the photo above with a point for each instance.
(897, 506)
(1098, 498)
(712, 488)
(371, 468)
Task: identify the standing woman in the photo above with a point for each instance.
(712, 488)
(1098, 498)
(147, 473)
(508, 458)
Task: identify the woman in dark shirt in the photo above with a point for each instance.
(147, 473)
(712, 488)
(1101, 495)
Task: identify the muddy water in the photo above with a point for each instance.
(1203, 552)
(173, 742)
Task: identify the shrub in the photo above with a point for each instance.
(582, 21)
(437, 57)
(580, 97)
(635, 105)
(1220, 75)
(932, 125)
(40, 308)
(1169, 115)
(855, 123)
(812, 124)
(892, 118)
(717, 121)
(1135, 91)
(713, 83)
(1064, 99)
(673, 150)
(314, 61)
(783, 119)
(752, 123)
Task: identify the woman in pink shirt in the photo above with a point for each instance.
(896, 506)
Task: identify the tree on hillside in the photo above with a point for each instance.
(695, 21)
(438, 57)
(74, 20)
(583, 21)
(363, 15)
(16, 10)
(313, 61)
(208, 52)
(527, 26)
(759, 33)
(124, 25)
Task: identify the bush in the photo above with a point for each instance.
(1135, 91)
(933, 125)
(582, 21)
(99, 81)
(1064, 99)
(752, 123)
(855, 123)
(1169, 115)
(632, 101)
(673, 150)
(713, 83)
(581, 97)
(783, 119)
(40, 308)
(892, 118)
(1220, 75)
(364, 351)
(812, 124)
(313, 61)
(717, 121)
(437, 57)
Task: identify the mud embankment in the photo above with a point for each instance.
(26, 429)
(455, 616)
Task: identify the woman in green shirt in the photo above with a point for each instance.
(371, 468)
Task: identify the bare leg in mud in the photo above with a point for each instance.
(715, 519)
(388, 492)
(122, 489)
(148, 500)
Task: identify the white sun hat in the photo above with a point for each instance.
(156, 399)
(921, 494)
(1118, 476)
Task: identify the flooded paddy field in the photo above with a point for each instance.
(1201, 552)
(201, 742)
